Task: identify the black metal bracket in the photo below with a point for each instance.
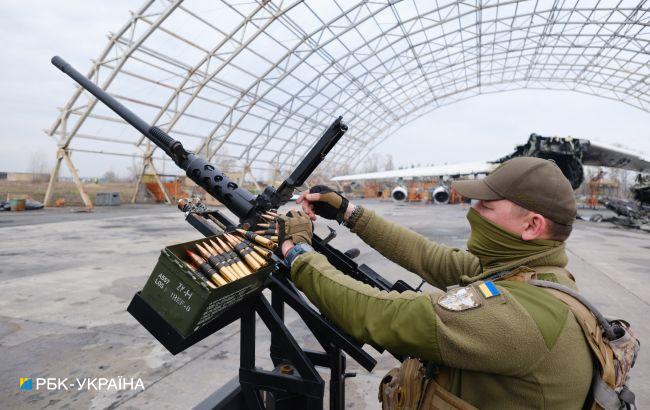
(294, 382)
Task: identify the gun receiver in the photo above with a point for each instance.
(239, 201)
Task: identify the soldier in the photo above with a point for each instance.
(496, 342)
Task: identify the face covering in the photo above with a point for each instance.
(498, 249)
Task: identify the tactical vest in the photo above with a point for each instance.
(612, 343)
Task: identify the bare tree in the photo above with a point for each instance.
(134, 170)
(388, 163)
(110, 176)
(371, 163)
(38, 166)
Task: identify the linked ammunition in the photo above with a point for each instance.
(236, 272)
(238, 262)
(216, 262)
(199, 276)
(191, 205)
(264, 225)
(265, 242)
(262, 257)
(269, 231)
(245, 252)
(272, 213)
(206, 269)
(268, 217)
(263, 252)
(233, 261)
(228, 270)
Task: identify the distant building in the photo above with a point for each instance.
(24, 176)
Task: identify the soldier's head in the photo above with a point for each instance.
(529, 197)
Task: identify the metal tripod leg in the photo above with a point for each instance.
(300, 388)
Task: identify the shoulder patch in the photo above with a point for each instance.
(459, 299)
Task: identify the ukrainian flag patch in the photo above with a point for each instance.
(488, 289)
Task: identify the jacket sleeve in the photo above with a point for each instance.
(497, 337)
(439, 265)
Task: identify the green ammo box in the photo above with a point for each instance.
(183, 299)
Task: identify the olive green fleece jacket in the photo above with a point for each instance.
(519, 349)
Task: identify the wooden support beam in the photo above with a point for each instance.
(54, 178)
(247, 169)
(139, 180)
(160, 184)
(75, 177)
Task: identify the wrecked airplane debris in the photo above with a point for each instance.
(566, 152)
(629, 214)
(641, 190)
(571, 154)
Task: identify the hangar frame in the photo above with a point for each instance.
(252, 84)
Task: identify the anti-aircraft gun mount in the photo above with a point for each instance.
(294, 382)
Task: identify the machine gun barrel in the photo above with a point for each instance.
(241, 202)
(155, 134)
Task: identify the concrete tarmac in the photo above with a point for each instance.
(66, 279)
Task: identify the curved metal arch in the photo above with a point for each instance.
(209, 77)
(122, 59)
(417, 56)
(287, 55)
(486, 89)
(460, 42)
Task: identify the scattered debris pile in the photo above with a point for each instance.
(629, 214)
(25, 205)
(641, 190)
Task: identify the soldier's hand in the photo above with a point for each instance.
(295, 226)
(325, 202)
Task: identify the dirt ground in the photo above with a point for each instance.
(64, 189)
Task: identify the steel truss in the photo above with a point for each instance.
(255, 83)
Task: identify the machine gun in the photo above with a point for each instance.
(286, 389)
(239, 201)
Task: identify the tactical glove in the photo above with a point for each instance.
(331, 205)
(295, 225)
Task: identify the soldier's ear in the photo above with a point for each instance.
(535, 227)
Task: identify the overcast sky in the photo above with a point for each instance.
(481, 128)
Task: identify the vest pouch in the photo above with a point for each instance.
(625, 349)
(402, 386)
(437, 397)
(407, 388)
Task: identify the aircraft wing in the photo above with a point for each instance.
(599, 154)
(562, 150)
(451, 170)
